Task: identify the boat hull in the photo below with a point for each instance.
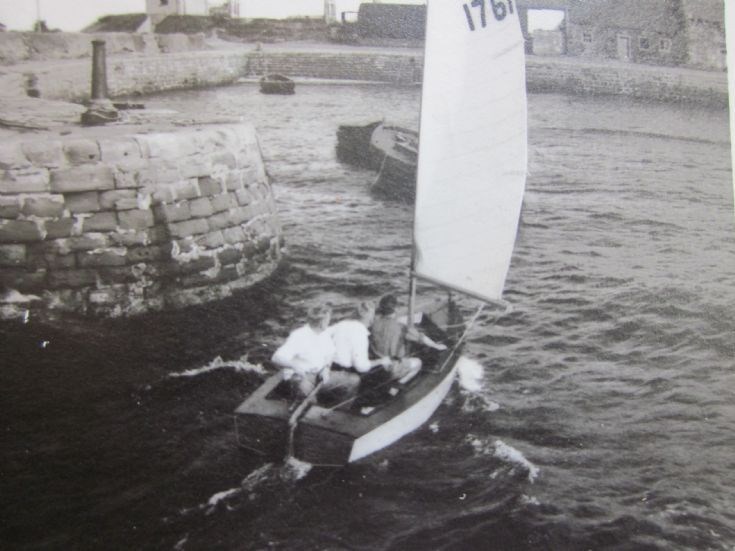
(277, 84)
(392, 151)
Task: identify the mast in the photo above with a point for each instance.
(412, 268)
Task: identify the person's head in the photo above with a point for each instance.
(366, 312)
(318, 317)
(387, 305)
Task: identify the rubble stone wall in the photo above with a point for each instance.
(126, 224)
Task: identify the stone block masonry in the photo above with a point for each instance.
(109, 225)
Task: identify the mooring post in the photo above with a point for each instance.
(101, 110)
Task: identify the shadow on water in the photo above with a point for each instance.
(101, 442)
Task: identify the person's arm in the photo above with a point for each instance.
(287, 357)
(415, 335)
(360, 358)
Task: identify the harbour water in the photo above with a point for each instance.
(604, 410)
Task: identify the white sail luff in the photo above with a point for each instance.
(473, 152)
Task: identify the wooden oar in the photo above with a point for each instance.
(293, 421)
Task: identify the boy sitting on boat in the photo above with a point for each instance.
(307, 354)
(390, 338)
(351, 339)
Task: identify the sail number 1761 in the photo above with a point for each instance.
(499, 8)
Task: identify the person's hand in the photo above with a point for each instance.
(287, 374)
(440, 346)
(386, 362)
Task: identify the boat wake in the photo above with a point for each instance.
(471, 374)
(242, 365)
(504, 452)
(262, 478)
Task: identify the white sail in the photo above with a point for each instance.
(473, 150)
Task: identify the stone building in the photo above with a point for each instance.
(627, 30)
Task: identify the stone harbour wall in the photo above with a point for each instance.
(131, 75)
(114, 225)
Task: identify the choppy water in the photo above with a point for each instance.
(604, 417)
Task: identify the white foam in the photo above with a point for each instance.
(295, 469)
(508, 453)
(471, 374)
(218, 363)
(15, 297)
(219, 496)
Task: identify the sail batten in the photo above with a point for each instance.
(472, 151)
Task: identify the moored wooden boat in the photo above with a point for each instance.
(277, 84)
(389, 149)
(334, 434)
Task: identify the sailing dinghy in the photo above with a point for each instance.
(471, 176)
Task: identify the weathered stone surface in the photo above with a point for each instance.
(59, 228)
(108, 199)
(234, 180)
(200, 264)
(87, 242)
(221, 202)
(25, 180)
(81, 151)
(169, 146)
(209, 186)
(12, 255)
(96, 177)
(117, 274)
(212, 240)
(60, 261)
(120, 149)
(201, 207)
(11, 155)
(9, 206)
(194, 226)
(136, 219)
(71, 279)
(43, 205)
(250, 176)
(93, 259)
(220, 220)
(23, 280)
(19, 231)
(186, 189)
(146, 254)
(229, 256)
(127, 204)
(158, 174)
(44, 153)
(100, 222)
(226, 159)
(244, 197)
(87, 201)
(241, 215)
(195, 167)
(234, 235)
(173, 212)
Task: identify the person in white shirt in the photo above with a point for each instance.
(307, 355)
(351, 339)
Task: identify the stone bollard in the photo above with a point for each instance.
(101, 110)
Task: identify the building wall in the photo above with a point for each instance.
(705, 30)
(110, 225)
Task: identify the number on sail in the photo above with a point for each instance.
(500, 10)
